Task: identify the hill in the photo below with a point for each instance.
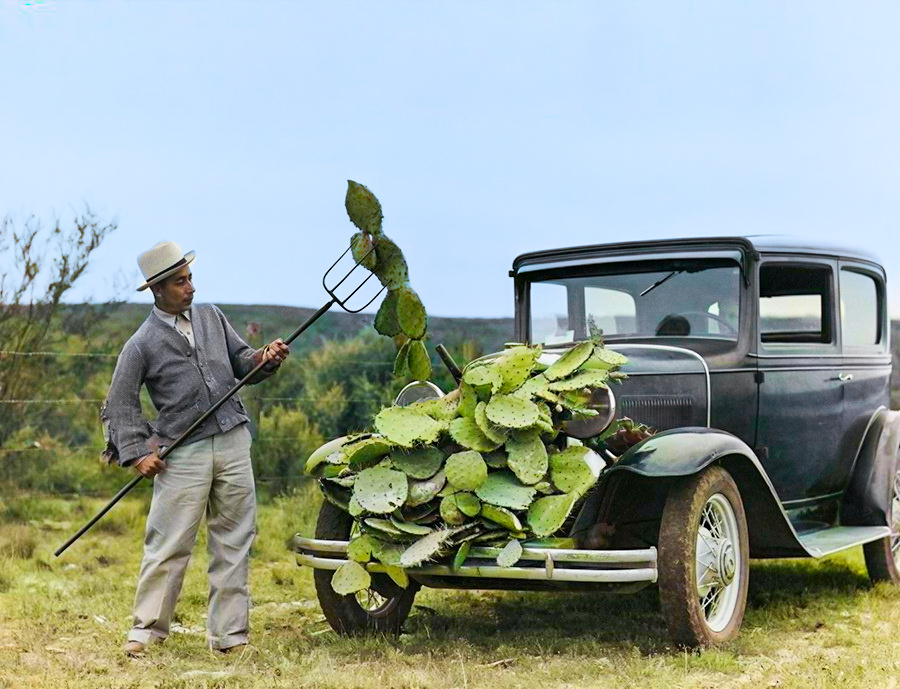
(477, 335)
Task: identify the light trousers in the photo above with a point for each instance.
(212, 477)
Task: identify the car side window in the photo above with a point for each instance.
(794, 304)
(860, 310)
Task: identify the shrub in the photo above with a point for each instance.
(286, 438)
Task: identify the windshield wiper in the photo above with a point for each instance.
(660, 281)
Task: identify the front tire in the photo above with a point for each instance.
(380, 609)
(883, 556)
(704, 561)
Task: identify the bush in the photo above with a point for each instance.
(286, 438)
(35, 460)
(346, 383)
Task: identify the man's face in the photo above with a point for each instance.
(175, 293)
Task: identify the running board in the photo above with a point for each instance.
(828, 541)
(536, 564)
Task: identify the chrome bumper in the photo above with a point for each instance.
(536, 564)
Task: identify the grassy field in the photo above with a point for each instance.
(63, 622)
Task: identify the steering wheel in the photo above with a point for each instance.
(706, 314)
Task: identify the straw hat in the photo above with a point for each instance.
(161, 261)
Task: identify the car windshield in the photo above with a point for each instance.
(639, 300)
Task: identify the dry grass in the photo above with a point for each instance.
(62, 623)
(17, 541)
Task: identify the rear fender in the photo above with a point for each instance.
(635, 488)
(867, 500)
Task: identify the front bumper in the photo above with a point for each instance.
(538, 568)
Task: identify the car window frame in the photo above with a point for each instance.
(802, 349)
(881, 347)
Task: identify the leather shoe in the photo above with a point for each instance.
(134, 649)
(238, 648)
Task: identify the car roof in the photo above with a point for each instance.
(751, 246)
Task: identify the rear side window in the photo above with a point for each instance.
(860, 316)
(794, 304)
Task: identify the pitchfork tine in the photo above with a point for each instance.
(331, 290)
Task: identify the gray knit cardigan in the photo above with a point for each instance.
(183, 382)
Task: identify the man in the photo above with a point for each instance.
(188, 357)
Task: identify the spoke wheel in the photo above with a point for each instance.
(883, 556)
(703, 559)
(380, 609)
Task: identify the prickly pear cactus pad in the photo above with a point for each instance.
(487, 464)
(401, 314)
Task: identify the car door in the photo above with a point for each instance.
(799, 365)
(866, 368)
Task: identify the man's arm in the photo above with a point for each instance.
(128, 434)
(244, 358)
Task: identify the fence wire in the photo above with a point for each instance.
(104, 355)
(94, 450)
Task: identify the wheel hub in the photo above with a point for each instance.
(726, 563)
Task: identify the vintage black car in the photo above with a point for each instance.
(764, 365)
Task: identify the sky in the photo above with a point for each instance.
(486, 129)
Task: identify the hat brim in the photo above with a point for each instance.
(186, 261)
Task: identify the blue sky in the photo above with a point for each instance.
(486, 129)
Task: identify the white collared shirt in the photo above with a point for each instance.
(182, 326)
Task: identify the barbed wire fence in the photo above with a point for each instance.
(89, 450)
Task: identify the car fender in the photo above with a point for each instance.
(867, 499)
(670, 455)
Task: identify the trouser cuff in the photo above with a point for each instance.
(227, 641)
(145, 636)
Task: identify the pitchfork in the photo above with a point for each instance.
(335, 299)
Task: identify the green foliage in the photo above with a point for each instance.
(495, 407)
(39, 265)
(286, 438)
(380, 490)
(405, 427)
(363, 208)
(340, 385)
(419, 462)
(465, 432)
(547, 515)
(510, 554)
(35, 460)
(350, 577)
(466, 470)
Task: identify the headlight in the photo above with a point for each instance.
(418, 391)
(604, 403)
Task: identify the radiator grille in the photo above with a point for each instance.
(662, 412)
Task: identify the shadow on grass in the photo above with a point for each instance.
(803, 582)
(545, 622)
(567, 622)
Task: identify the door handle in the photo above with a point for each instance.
(845, 377)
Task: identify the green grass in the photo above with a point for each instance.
(63, 622)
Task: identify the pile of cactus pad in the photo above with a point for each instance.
(484, 464)
(401, 315)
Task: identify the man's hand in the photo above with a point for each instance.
(276, 352)
(150, 465)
